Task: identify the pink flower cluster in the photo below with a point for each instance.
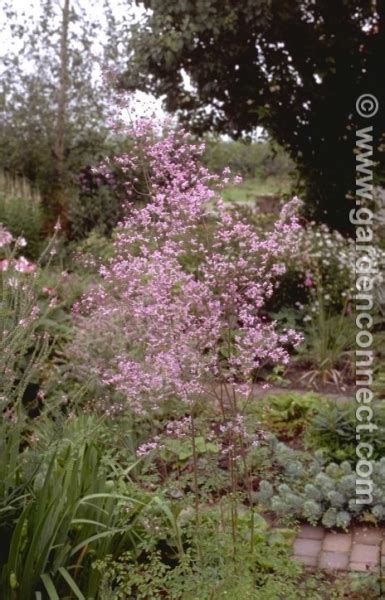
(20, 264)
(148, 447)
(180, 304)
(180, 428)
(235, 436)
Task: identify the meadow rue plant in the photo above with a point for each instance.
(179, 306)
(178, 312)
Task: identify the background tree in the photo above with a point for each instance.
(294, 67)
(53, 102)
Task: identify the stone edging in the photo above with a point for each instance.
(360, 549)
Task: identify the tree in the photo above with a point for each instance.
(293, 67)
(53, 101)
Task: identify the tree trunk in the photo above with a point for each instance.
(59, 150)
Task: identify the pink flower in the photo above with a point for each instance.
(49, 291)
(22, 265)
(148, 447)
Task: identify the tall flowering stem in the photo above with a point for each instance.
(178, 313)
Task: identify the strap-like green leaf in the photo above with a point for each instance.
(93, 538)
(64, 573)
(49, 586)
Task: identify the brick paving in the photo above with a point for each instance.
(361, 549)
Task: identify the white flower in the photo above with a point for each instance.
(21, 242)
(5, 237)
(13, 282)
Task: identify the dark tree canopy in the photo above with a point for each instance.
(294, 67)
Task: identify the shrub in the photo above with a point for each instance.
(322, 268)
(65, 498)
(327, 350)
(103, 191)
(22, 347)
(177, 315)
(96, 207)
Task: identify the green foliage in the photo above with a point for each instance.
(90, 253)
(289, 413)
(379, 381)
(63, 499)
(327, 349)
(21, 213)
(97, 212)
(181, 450)
(22, 347)
(279, 459)
(316, 296)
(258, 159)
(77, 509)
(262, 197)
(323, 265)
(53, 104)
(333, 430)
(12, 483)
(259, 566)
(356, 586)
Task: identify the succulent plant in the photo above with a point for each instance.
(316, 492)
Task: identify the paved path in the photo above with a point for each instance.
(360, 549)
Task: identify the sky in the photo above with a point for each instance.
(142, 103)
